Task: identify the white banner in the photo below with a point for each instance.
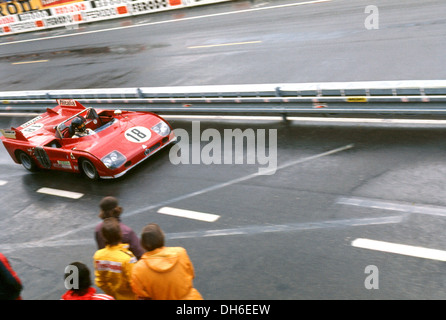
(76, 13)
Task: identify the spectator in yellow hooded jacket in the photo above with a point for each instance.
(113, 264)
(163, 273)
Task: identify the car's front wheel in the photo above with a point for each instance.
(26, 161)
(89, 169)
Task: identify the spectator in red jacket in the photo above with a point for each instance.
(82, 287)
(10, 284)
(110, 209)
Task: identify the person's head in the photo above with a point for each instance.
(78, 124)
(152, 237)
(84, 279)
(111, 231)
(109, 208)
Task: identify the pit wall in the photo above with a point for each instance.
(18, 16)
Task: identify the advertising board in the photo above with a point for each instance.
(17, 16)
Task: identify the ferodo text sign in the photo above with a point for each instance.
(18, 16)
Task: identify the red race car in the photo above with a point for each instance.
(98, 143)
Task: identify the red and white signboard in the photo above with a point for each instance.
(54, 13)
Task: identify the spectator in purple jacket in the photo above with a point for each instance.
(110, 209)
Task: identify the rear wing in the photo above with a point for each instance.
(70, 103)
(13, 133)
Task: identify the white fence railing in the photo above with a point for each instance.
(373, 97)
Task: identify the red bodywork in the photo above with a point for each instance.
(125, 133)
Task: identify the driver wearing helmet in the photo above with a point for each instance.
(77, 128)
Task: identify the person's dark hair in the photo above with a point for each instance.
(84, 278)
(109, 208)
(111, 231)
(152, 237)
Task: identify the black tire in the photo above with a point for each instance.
(89, 170)
(27, 162)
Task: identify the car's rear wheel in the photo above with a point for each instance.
(26, 161)
(89, 169)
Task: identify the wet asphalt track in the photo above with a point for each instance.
(282, 236)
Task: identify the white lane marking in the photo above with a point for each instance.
(208, 217)
(247, 230)
(413, 251)
(393, 206)
(60, 193)
(206, 190)
(3, 182)
(224, 44)
(168, 21)
(28, 62)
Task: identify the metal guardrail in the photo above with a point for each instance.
(331, 98)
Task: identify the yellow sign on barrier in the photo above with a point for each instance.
(24, 6)
(356, 99)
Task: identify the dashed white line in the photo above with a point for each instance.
(3, 182)
(208, 217)
(224, 44)
(61, 193)
(413, 251)
(28, 62)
